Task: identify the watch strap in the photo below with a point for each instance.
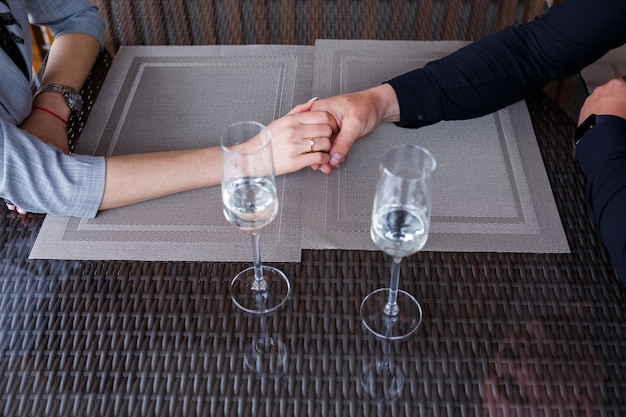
(589, 123)
(71, 96)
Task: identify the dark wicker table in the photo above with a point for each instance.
(503, 334)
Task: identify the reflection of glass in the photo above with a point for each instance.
(399, 227)
(266, 355)
(382, 379)
(536, 374)
(250, 202)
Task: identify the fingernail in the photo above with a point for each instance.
(313, 99)
(336, 159)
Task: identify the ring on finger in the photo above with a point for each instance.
(311, 144)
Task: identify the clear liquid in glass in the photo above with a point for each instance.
(250, 203)
(399, 230)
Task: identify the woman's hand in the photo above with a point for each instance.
(301, 138)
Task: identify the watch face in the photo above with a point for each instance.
(75, 102)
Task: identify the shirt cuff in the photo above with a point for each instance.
(418, 99)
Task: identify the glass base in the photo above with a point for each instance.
(262, 300)
(386, 326)
(266, 356)
(382, 381)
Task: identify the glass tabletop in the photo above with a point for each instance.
(503, 333)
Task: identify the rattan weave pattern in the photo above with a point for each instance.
(163, 339)
(235, 22)
(301, 22)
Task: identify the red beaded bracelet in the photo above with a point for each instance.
(50, 112)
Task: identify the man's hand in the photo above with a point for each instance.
(607, 99)
(357, 115)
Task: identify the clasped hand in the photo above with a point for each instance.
(607, 99)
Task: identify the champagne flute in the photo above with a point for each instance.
(399, 227)
(250, 202)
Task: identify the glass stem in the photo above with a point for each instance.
(263, 327)
(383, 364)
(264, 337)
(259, 284)
(391, 308)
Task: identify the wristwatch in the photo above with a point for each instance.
(590, 122)
(72, 97)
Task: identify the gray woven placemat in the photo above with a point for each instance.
(494, 159)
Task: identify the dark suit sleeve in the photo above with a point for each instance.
(502, 68)
(602, 156)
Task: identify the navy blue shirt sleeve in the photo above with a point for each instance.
(502, 68)
(602, 155)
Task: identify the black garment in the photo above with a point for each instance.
(503, 68)
(602, 156)
(8, 39)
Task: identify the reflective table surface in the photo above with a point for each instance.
(504, 334)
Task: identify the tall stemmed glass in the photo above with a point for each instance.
(400, 225)
(250, 202)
